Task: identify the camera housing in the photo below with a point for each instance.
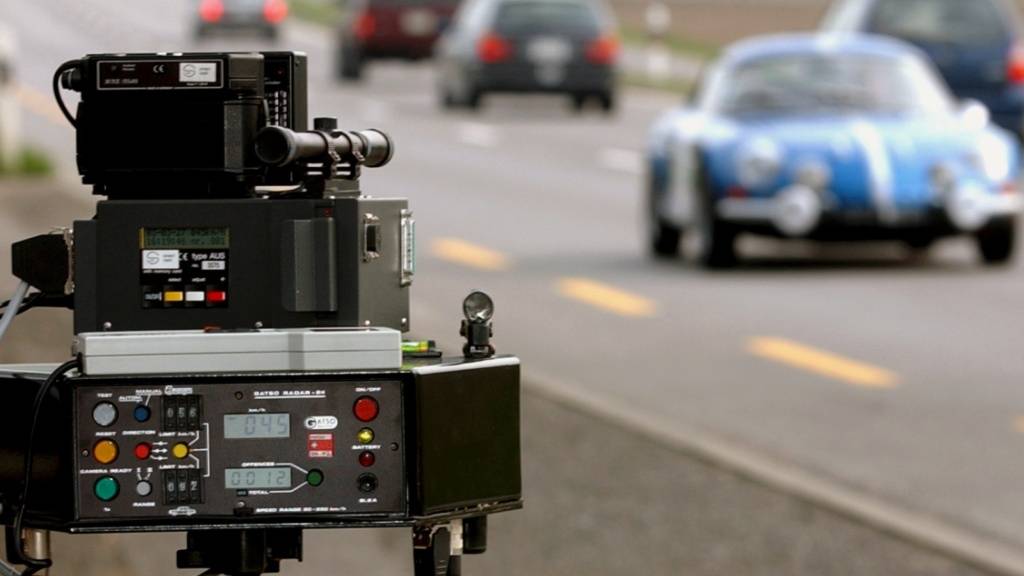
(183, 125)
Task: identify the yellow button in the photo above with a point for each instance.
(180, 451)
(174, 296)
(365, 436)
(105, 451)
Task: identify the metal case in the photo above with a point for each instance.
(447, 442)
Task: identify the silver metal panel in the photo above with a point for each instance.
(193, 351)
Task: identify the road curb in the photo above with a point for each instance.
(914, 527)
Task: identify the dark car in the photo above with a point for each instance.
(390, 29)
(555, 46)
(976, 44)
(261, 16)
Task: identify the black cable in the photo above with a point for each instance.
(33, 565)
(69, 65)
(40, 300)
(30, 301)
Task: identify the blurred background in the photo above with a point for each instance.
(843, 407)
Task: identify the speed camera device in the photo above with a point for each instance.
(240, 368)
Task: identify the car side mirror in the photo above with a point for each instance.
(974, 113)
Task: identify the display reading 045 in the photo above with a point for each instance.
(246, 426)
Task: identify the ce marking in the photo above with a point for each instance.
(160, 68)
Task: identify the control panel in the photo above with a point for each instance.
(184, 267)
(235, 449)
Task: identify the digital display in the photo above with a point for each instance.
(257, 478)
(245, 426)
(171, 238)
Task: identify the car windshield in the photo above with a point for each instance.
(515, 18)
(941, 21)
(829, 83)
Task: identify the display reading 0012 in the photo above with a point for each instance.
(257, 478)
(246, 426)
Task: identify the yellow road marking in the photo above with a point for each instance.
(822, 362)
(462, 252)
(38, 103)
(1018, 424)
(606, 297)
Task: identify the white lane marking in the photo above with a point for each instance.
(880, 174)
(478, 134)
(622, 160)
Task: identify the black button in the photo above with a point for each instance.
(367, 483)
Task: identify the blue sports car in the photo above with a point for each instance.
(829, 137)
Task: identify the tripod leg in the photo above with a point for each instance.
(37, 545)
(431, 550)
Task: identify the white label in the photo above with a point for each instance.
(195, 296)
(212, 265)
(321, 423)
(161, 260)
(198, 72)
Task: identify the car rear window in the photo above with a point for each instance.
(942, 21)
(244, 4)
(411, 3)
(526, 17)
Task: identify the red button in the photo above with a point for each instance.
(216, 296)
(366, 409)
(367, 459)
(142, 450)
(320, 445)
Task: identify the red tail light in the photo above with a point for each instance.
(604, 50)
(275, 11)
(366, 25)
(1015, 65)
(211, 10)
(493, 49)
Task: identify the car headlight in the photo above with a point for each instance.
(758, 162)
(992, 157)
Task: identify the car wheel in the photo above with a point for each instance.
(607, 102)
(919, 242)
(473, 99)
(351, 66)
(579, 103)
(664, 239)
(997, 241)
(714, 237)
(447, 100)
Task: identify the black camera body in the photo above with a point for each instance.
(152, 125)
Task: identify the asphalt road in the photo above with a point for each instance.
(860, 367)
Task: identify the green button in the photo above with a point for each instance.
(315, 478)
(106, 488)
